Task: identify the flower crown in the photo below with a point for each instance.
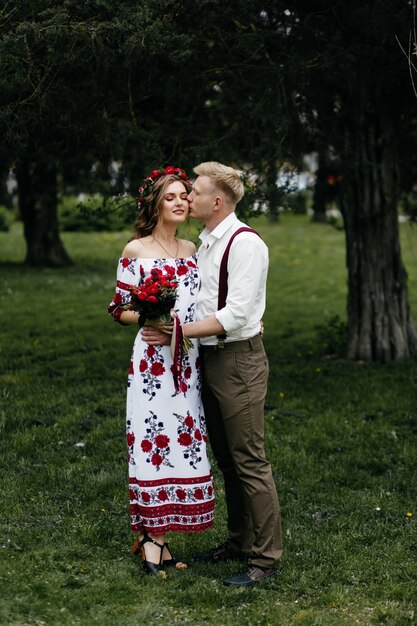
(149, 181)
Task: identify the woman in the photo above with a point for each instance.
(170, 482)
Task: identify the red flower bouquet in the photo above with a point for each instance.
(155, 297)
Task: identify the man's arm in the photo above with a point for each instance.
(206, 328)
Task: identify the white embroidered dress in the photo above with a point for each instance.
(170, 482)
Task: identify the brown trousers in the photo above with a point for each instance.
(234, 387)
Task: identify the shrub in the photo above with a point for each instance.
(5, 219)
(96, 213)
(296, 202)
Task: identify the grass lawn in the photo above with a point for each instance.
(341, 436)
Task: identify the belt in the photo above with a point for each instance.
(235, 346)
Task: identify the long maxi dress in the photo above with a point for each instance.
(170, 481)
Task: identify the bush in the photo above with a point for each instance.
(296, 202)
(96, 213)
(5, 219)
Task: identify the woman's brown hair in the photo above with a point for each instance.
(148, 218)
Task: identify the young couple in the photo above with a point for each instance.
(224, 377)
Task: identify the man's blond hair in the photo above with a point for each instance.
(224, 177)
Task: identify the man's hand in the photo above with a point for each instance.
(155, 337)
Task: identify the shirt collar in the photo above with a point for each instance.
(220, 229)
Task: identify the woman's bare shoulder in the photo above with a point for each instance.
(187, 247)
(135, 248)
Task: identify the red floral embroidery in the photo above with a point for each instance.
(170, 271)
(190, 438)
(181, 270)
(189, 271)
(156, 459)
(157, 368)
(184, 439)
(162, 441)
(156, 444)
(151, 366)
(198, 494)
(146, 445)
(130, 439)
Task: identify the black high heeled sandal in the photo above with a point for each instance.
(172, 562)
(150, 568)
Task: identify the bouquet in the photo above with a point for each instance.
(155, 297)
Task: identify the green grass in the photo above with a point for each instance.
(341, 438)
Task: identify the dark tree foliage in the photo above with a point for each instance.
(357, 96)
(53, 109)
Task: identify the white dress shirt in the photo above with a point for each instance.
(247, 267)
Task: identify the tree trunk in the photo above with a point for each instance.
(37, 187)
(380, 326)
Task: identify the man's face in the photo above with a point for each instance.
(202, 199)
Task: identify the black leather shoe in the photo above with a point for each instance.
(254, 575)
(220, 554)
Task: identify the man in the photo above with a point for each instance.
(235, 374)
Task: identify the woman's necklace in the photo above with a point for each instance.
(167, 251)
